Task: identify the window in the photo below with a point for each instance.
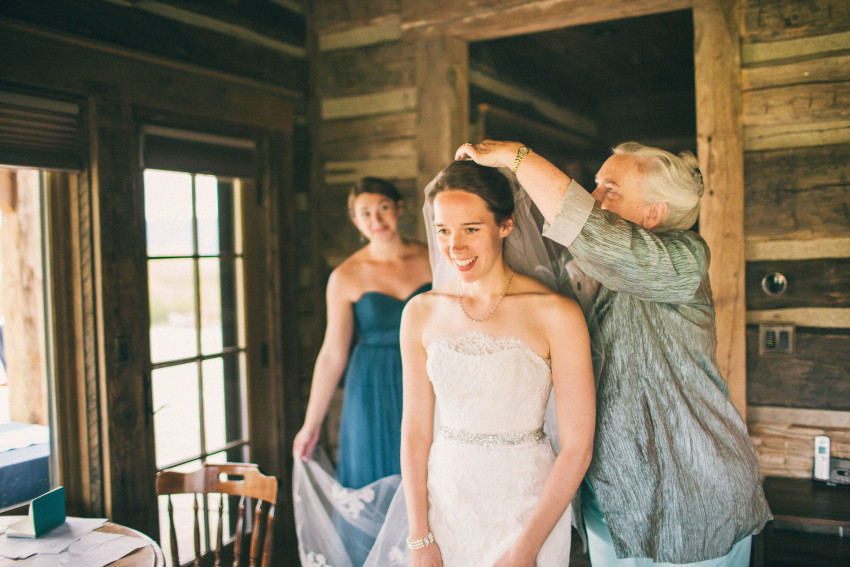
(197, 356)
(28, 461)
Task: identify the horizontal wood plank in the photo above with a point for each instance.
(824, 282)
(389, 102)
(798, 193)
(817, 377)
(387, 29)
(783, 136)
(769, 20)
(488, 19)
(819, 317)
(390, 135)
(822, 102)
(332, 16)
(797, 249)
(367, 69)
(821, 70)
(338, 172)
(252, 55)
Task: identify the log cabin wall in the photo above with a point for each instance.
(789, 74)
(796, 118)
(211, 69)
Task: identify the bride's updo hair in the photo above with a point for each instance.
(486, 182)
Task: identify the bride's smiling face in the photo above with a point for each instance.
(467, 233)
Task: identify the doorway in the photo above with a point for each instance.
(573, 93)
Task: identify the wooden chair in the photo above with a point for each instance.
(216, 478)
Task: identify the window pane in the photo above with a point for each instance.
(171, 285)
(214, 408)
(211, 323)
(206, 203)
(237, 217)
(240, 302)
(177, 421)
(168, 213)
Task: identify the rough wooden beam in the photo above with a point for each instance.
(399, 100)
(501, 18)
(775, 51)
(775, 249)
(819, 317)
(721, 155)
(815, 418)
(550, 109)
(340, 172)
(384, 30)
(796, 104)
(784, 136)
(827, 69)
(817, 282)
(442, 75)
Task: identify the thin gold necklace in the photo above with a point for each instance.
(492, 309)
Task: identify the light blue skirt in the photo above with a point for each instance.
(601, 547)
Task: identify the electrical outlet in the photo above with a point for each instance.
(776, 339)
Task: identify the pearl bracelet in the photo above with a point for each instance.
(415, 544)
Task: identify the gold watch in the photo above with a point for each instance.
(520, 153)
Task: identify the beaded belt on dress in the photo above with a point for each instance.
(492, 439)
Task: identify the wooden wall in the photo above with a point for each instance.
(796, 117)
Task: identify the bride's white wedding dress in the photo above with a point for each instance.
(489, 458)
(486, 469)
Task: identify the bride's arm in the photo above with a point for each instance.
(575, 405)
(417, 430)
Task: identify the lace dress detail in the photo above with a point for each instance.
(484, 482)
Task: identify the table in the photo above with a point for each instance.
(800, 503)
(148, 556)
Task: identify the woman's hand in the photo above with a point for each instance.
(305, 442)
(516, 558)
(428, 556)
(489, 152)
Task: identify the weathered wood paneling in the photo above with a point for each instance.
(817, 377)
(267, 58)
(824, 282)
(338, 15)
(487, 19)
(768, 20)
(810, 103)
(385, 29)
(337, 134)
(829, 69)
(385, 66)
(798, 192)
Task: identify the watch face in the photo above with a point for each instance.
(522, 151)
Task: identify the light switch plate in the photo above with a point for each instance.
(777, 339)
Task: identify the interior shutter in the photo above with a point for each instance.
(196, 152)
(39, 132)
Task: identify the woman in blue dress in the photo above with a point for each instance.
(365, 296)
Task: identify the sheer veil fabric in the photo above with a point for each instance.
(338, 527)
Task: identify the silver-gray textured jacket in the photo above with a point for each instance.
(673, 465)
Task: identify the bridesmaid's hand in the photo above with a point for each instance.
(305, 442)
(428, 556)
(491, 153)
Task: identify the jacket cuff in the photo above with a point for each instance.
(574, 212)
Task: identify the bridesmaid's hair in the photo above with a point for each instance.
(374, 185)
(487, 182)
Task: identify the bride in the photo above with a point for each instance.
(483, 350)
(481, 354)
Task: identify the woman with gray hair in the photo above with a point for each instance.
(674, 478)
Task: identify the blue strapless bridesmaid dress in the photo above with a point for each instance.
(370, 427)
